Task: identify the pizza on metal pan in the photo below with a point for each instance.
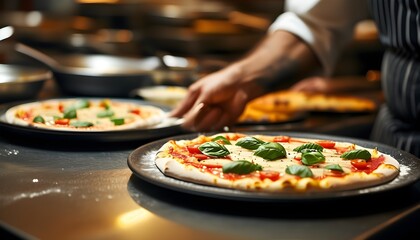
(299, 101)
(78, 114)
(268, 163)
(286, 105)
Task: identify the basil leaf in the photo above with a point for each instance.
(271, 151)
(38, 119)
(251, 143)
(117, 121)
(309, 146)
(356, 154)
(334, 167)
(299, 170)
(81, 124)
(70, 114)
(221, 138)
(213, 149)
(241, 167)
(311, 158)
(307, 150)
(105, 113)
(77, 105)
(83, 103)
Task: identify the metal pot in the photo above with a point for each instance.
(110, 76)
(21, 83)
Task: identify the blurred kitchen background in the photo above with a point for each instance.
(210, 30)
(161, 42)
(187, 38)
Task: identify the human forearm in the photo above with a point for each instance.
(280, 59)
(219, 98)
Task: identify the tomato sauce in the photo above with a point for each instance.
(372, 164)
(234, 137)
(281, 139)
(334, 173)
(176, 154)
(216, 170)
(341, 150)
(207, 167)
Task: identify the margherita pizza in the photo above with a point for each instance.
(275, 163)
(78, 114)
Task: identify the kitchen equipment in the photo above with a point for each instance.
(203, 27)
(21, 82)
(110, 76)
(6, 32)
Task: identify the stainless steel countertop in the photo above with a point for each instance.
(63, 191)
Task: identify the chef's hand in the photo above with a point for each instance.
(215, 101)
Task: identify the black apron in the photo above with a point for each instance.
(398, 122)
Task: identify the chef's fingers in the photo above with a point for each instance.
(190, 116)
(187, 104)
(207, 118)
(201, 118)
(231, 111)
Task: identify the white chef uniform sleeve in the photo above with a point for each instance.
(325, 25)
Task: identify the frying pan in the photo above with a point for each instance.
(21, 82)
(109, 76)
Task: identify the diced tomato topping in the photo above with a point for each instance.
(62, 121)
(23, 114)
(193, 150)
(326, 143)
(272, 175)
(298, 157)
(200, 156)
(281, 139)
(61, 107)
(369, 165)
(135, 111)
(360, 164)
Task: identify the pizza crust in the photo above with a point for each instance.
(284, 105)
(172, 167)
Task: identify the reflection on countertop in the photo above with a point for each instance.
(66, 191)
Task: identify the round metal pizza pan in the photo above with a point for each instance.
(137, 134)
(141, 163)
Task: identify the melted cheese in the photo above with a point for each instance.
(280, 165)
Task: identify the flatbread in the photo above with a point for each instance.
(234, 165)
